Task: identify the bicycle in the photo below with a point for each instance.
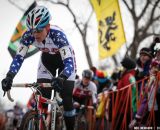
(85, 117)
(81, 122)
(35, 119)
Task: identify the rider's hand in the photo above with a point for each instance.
(57, 83)
(7, 82)
(95, 106)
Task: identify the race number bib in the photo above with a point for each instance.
(65, 52)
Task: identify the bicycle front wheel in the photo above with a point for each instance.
(31, 121)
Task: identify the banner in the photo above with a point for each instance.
(20, 29)
(110, 27)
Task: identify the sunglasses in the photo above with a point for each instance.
(37, 30)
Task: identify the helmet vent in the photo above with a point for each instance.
(45, 20)
(32, 19)
(37, 20)
(37, 11)
(42, 10)
(32, 11)
(28, 21)
(46, 14)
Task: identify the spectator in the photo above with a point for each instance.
(157, 58)
(143, 63)
(116, 76)
(156, 40)
(94, 69)
(149, 102)
(143, 66)
(101, 80)
(127, 78)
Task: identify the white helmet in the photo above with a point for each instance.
(39, 17)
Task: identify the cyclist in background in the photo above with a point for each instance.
(14, 117)
(31, 102)
(85, 88)
(57, 54)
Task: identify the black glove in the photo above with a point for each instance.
(95, 106)
(57, 84)
(7, 82)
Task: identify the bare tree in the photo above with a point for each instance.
(145, 21)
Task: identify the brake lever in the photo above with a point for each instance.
(9, 96)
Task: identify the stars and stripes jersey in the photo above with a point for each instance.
(54, 44)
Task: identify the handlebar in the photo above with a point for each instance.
(81, 106)
(34, 85)
(88, 107)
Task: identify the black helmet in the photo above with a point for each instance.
(87, 74)
(128, 63)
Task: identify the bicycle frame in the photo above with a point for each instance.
(54, 108)
(54, 104)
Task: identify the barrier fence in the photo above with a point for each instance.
(118, 108)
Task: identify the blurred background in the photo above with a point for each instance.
(78, 19)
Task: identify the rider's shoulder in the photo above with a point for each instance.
(27, 38)
(56, 31)
(77, 82)
(55, 27)
(58, 36)
(92, 84)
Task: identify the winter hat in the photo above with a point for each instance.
(146, 51)
(101, 74)
(128, 63)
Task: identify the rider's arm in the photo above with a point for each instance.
(94, 92)
(25, 41)
(67, 54)
(77, 90)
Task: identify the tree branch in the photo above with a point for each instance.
(154, 8)
(144, 9)
(69, 9)
(133, 5)
(127, 6)
(149, 23)
(89, 18)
